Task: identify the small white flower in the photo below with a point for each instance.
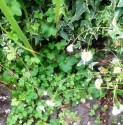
(20, 121)
(50, 103)
(116, 111)
(7, 111)
(98, 83)
(70, 48)
(25, 105)
(45, 93)
(86, 56)
(14, 85)
(41, 108)
(77, 102)
(118, 123)
(117, 70)
(90, 98)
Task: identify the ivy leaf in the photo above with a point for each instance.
(65, 66)
(15, 8)
(92, 112)
(51, 56)
(61, 45)
(35, 60)
(60, 58)
(95, 93)
(34, 72)
(11, 56)
(15, 102)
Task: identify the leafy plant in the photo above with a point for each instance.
(9, 15)
(74, 40)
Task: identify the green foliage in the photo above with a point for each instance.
(9, 15)
(14, 7)
(70, 37)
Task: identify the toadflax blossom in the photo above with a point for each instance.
(70, 48)
(98, 83)
(117, 70)
(50, 103)
(41, 108)
(86, 56)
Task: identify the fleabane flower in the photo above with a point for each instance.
(117, 70)
(50, 103)
(116, 111)
(86, 56)
(70, 48)
(98, 83)
(41, 108)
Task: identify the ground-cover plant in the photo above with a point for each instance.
(9, 15)
(67, 36)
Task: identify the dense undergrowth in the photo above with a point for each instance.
(77, 54)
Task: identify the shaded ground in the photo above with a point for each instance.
(4, 103)
(93, 112)
(103, 112)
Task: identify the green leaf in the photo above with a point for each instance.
(14, 102)
(120, 4)
(65, 66)
(61, 45)
(34, 72)
(11, 56)
(95, 93)
(35, 60)
(9, 15)
(118, 13)
(15, 8)
(53, 121)
(81, 7)
(60, 58)
(92, 65)
(51, 56)
(92, 112)
(64, 35)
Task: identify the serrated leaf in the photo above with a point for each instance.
(118, 13)
(64, 35)
(61, 45)
(120, 4)
(35, 59)
(81, 7)
(92, 65)
(51, 56)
